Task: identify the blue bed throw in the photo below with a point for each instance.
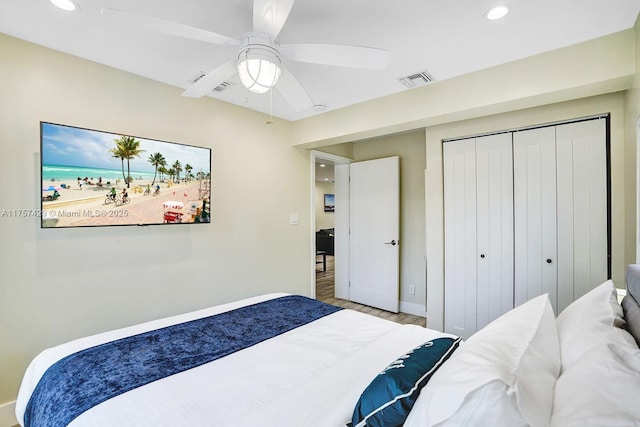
(84, 379)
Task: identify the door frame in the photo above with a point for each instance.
(637, 189)
(341, 245)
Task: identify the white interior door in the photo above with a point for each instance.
(494, 193)
(534, 165)
(460, 257)
(374, 239)
(582, 208)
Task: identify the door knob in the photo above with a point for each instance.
(481, 255)
(392, 243)
(549, 261)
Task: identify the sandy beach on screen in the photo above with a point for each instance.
(74, 192)
(86, 206)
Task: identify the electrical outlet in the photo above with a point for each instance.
(412, 289)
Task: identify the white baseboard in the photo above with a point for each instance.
(8, 414)
(413, 308)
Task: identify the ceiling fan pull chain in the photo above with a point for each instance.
(270, 121)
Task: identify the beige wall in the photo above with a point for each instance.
(342, 150)
(612, 103)
(410, 148)
(65, 283)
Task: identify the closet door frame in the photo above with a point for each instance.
(467, 311)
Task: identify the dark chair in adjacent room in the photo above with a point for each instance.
(324, 246)
(324, 241)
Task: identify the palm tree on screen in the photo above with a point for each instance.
(127, 147)
(119, 153)
(157, 160)
(177, 167)
(163, 171)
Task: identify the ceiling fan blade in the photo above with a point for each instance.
(210, 80)
(293, 92)
(166, 27)
(338, 55)
(270, 15)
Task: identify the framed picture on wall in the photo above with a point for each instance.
(329, 202)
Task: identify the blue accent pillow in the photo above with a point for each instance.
(387, 400)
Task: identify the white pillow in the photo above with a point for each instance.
(598, 305)
(594, 318)
(600, 389)
(489, 405)
(514, 359)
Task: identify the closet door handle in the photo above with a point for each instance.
(549, 261)
(481, 255)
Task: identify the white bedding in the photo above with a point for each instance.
(317, 374)
(310, 376)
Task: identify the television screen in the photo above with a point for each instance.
(94, 178)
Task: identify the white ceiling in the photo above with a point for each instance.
(445, 37)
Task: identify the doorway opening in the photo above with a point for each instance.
(332, 285)
(327, 229)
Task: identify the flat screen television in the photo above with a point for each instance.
(93, 178)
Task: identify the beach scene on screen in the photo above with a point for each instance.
(97, 178)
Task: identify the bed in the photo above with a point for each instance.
(287, 360)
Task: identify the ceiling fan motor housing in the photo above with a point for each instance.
(259, 62)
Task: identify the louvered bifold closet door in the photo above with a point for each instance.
(494, 195)
(460, 257)
(534, 182)
(478, 203)
(582, 208)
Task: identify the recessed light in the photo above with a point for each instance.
(496, 12)
(68, 5)
(322, 165)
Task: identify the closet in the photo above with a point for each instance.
(526, 213)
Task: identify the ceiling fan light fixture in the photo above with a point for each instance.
(68, 5)
(259, 68)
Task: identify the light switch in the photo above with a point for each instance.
(294, 219)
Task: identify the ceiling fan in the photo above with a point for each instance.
(259, 62)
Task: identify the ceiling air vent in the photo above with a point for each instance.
(417, 79)
(222, 86)
(194, 79)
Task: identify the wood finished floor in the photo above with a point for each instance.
(325, 293)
